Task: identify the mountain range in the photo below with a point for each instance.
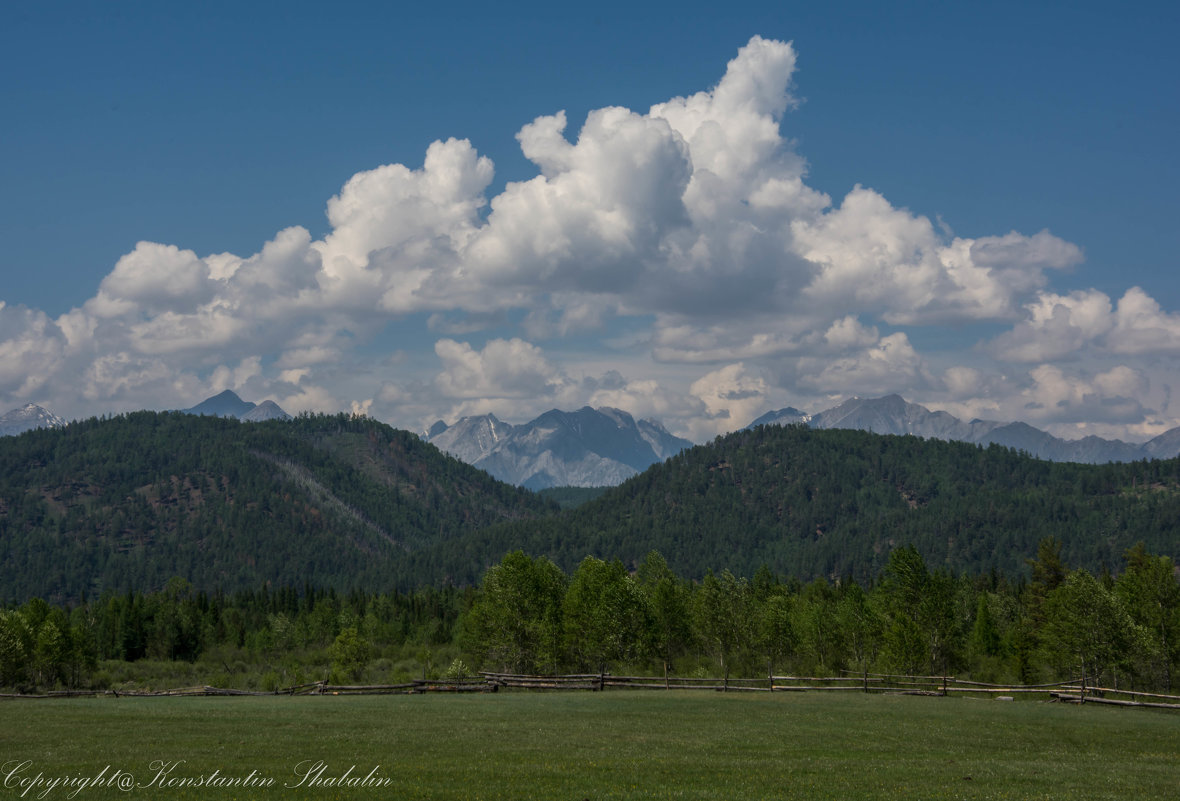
(31, 417)
(604, 447)
(892, 414)
(586, 448)
(128, 502)
(228, 404)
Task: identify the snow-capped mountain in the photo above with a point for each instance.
(228, 404)
(470, 439)
(27, 418)
(586, 448)
(892, 414)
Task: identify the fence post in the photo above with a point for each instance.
(866, 679)
(944, 685)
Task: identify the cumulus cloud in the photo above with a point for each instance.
(155, 278)
(1057, 326)
(598, 210)
(1141, 326)
(391, 205)
(875, 257)
(964, 383)
(30, 345)
(1014, 251)
(733, 396)
(676, 408)
(682, 244)
(1086, 322)
(1106, 397)
(888, 365)
(503, 369)
(223, 377)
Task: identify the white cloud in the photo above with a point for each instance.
(309, 398)
(294, 375)
(648, 398)
(396, 231)
(504, 369)
(878, 258)
(681, 247)
(718, 343)
(1141, 326)
(1070, 326)
(848, 332)
(888, 365)
(279, 275)
(208, 329)
(1057, 326)
(732, 130)
(964, 383)
(155, 278)
(733, 396)
(1106, 397)
(1014, 251)
(597, 211)
(31, 346)
(308, 356)
(223, 377)
(116, 376)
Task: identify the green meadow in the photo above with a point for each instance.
(613, 745)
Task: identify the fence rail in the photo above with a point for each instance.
(1074, 691)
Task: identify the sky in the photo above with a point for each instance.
(695, 213)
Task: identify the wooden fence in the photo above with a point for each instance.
(1075, 691)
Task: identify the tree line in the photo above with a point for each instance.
(528, 615)
(834, 503)
(125, 503)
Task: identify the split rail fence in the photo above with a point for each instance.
(1077, 691)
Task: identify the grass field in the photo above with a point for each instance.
(593, 746)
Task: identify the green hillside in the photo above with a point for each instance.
(834, 503)
(129, 502)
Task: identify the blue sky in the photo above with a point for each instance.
(700, 280)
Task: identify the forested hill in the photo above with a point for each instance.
(128, 503)
(131, 501)
(812, 503)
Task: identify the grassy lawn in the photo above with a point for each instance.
(599, 746)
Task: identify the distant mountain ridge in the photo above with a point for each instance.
(892, 414)
(585, 448)
(113, 504)
(228, 404)
(28, 418)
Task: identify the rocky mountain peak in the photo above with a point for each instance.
(27, 418)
